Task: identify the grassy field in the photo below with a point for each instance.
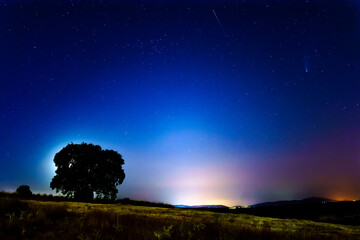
(30, 219)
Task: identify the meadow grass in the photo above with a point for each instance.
(31, 219)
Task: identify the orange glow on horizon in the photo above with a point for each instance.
(343, 198)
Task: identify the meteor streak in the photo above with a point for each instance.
(218, 21)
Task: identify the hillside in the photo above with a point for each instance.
(311, 200)
(68, 220)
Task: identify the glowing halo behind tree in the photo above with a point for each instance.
(84, 169)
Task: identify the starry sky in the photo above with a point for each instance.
(209, 102)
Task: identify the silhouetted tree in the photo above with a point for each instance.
(24, 191)
(85, 169)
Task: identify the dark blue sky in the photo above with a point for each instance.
(232, 103)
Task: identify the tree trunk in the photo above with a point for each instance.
(84, 195)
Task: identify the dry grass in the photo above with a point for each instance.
(67, 220)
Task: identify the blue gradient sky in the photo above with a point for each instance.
(261, 103)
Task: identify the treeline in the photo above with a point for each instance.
(37, 196)
(57, 198)
(143, 203)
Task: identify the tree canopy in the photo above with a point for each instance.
(23, 191)
(85, 169)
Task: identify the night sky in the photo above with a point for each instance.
(209, 102)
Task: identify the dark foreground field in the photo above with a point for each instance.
(30, 219)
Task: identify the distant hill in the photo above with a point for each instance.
(265, 204)
(292, 202)
(201, 206)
